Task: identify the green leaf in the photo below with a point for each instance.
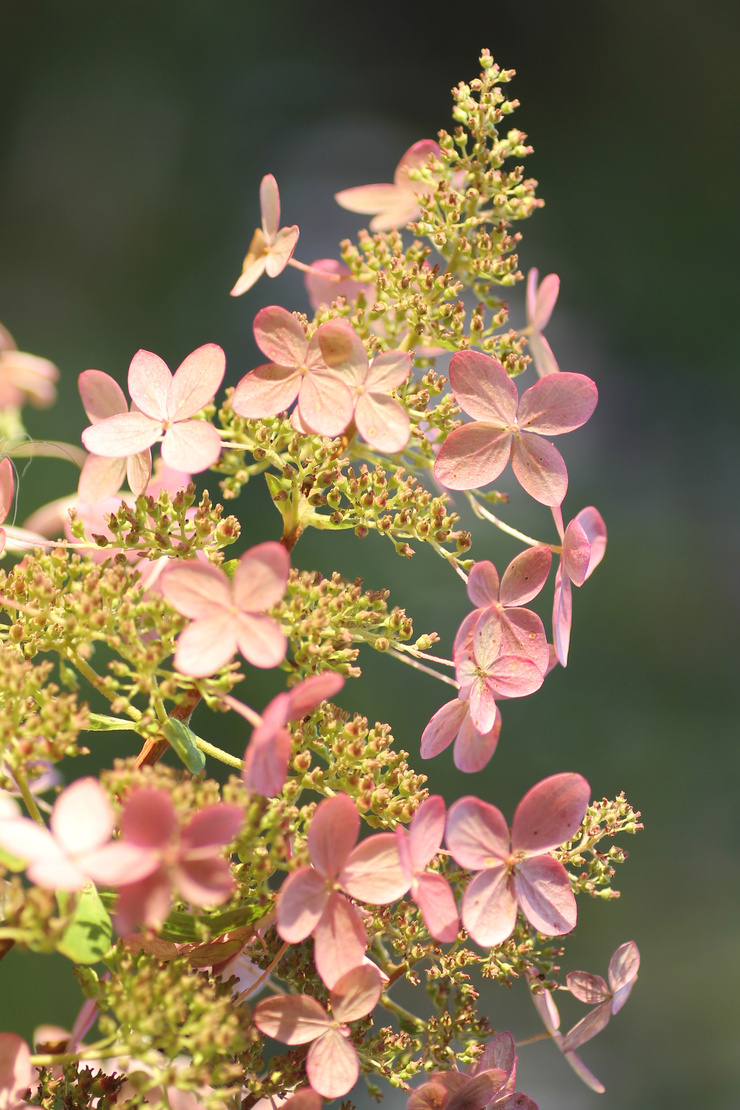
(89, 934)
(184, 744)
(101, 722)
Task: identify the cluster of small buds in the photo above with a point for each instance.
(181, 899)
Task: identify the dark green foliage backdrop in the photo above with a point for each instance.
(132, 140)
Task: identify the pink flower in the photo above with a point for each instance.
(584, 545)
(298, 369)
(430, 890)
(398, 203)
(6, 494)
(332, 1064)
(485, 674)
(540, 303)
(473, 748)
(325, 290)
(270, 249)
(505, 427)
(229, 614)
(24, 377)
(521, 870)
(623, 968)
(16, 1073)
(311, 899)
(101, 478)
(154, 856)
(548, 1011)
(381, 420)
(165, 404)
(489, 1082)
(81, 823)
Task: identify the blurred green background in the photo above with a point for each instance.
(133, 136)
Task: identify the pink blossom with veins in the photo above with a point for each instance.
(518, 870)
(101, 477)
(312, 899)
(272, 246)
(505, 427)
(452, 722)
(16, 1072)
(396, 204)
(584, 546)
(6, 494)
(548, 1011)
(430, 890)
(165, 404)
(332, 1064)
(298, 369)
(381, 420)
(540, 303)
(484, 674)
(608, 998)
(228, 615)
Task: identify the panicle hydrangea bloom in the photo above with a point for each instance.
(272, 246)
(332, 1064)
(396, 204)
(584, 546)
(518, 870)
(229, 614)
(540, 303)
(607, 999)
(164, 406)
(101, 478)
(430, 890)
(506, 427)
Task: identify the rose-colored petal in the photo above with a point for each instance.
(576, 553)
(356, 993)
(206, 645)
(266, 391)
(323, 290)
(479, 1091)
(483, 389)
(523, 634)
(544, 360)
(512, 676)
(123, 435)
(213, 827)
(146, 902)
(562, 611)
(281, 250)
(473, 749)
(340, 940)
(430, 1096)
(483, 584)
(196, 589)
(623, 968)
(525, 575)
(373, 871)
(500, 1052)
(280, 336)
(270, 206)
(291, 1018)
(592, 522)
(333, 834)
(303, 897)
(539, 468)
(587, 1027)
(204, 882)
(557, 403)
(27, 840)
(82, 818)
(433, 895)
(196, 382)
(550, 813)
(545, 895)
(149, 381)
(426, 831)
(261, 577)
(260, 640)
(383, 422)
(149, 819)
(119, 863)
(416, 156)
(307, 695)
(489, 907)
(540, 306)
(191, 445)
(325, 403)
(332, 1065)
(472, 456)
(15, 1069)
(482, 705)
(443, 728)
(387, 371)
(266, 762)
(101, 395)
(591, 989)
(476, 834)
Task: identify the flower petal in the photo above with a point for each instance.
(356, 993)
(426, 831)
(539, 468)
(550, 813)
(367, 199)
(557, 403)
(545, 895)
(434, 897)
(280, 336)
(196, 589)
(261, 577)
(476, 834)
(373, 871)
(340, 940)
(562, 611)
(473, 749)
(82, 818)
(196, 382)
(483, 389)
(576, 553)
(206, 645)
(525, 575)
(100, 478)
(623, 968)
(307, 695)
(591, 989)
(149, 381)
(123, 435)
(383, 422)
(325, 403)
(333, 834)
(266, 391)
(592, 522)
(101, 395)
(472, 456)
(489, 907)
(260, 640)
(587, 1027)
(281, 250)
(387, 371)
(332, 1065)
(443, 728)
(269, 206)
(253, 266)
(303, 897)
(483, 584)
(291, 1018)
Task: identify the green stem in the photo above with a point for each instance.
(28, 798)
(420, 667)
(99, 683)
(218, 753)
(484, 514)
(404, 1015)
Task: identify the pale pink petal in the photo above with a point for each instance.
(587, 1027)
(322, 290)
(281, 250)
(119, 863)
(191, 445)
(562, 611)
(550, 813)
(139, 470)
(583, 1073)
(373, 871)
(387, 371)
(101, 395)
(82, 818)
(260, 640)
(591, 989)
(291, 1018)
(472, 456)
(557, 403)
(149, 381)
(336, 345)
(266, 391)
(340, 940)
(539, 468)
(433, 895)
(6, 487)
(303, 897)
(100, 478)
(266, 763)
(483, 584)
(545, 895)
(523, 634)
(280, 336)
(399, 214)
(332, 1065)
(204, 882)
(16, 1074)
(443, 728)
(261, 577)
(196, 589)
(525, 575)
(149, 819)
(473, 749)
(416, 156)
(325, 404)
(592, 522)
(356, 993)
(269, 206)
(477, 833)
(57, 874)
(206, 645)
(500, 1052)
(383, 422)
(489, 907)
(542, 356)
(487, 639)
(623, 968)
(426, 831)
(576, 553)
(540, 305)
(123, 435)
(146, 902)
(514, 677)
(213, 827)
(196, 382)
(482, 705)
(367, 199)
(254, 265)
(532, 279)
(483, 389)
(307, 695)
(333, 834)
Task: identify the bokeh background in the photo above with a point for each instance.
(133, 136)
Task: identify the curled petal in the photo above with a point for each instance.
(254, 264)
(562, 612)
(576, 553)
(592, 522)
(542, 356)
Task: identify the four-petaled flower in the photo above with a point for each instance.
(229, 614)
(484, 674)
(332, 1064)
(430, 890)
(540, 303)
(518, 870)
(548, 1011)
(606, 999)
(584, 545)
(101, 477)
(505, 427)
(488, 1082)
(398, 203)
(165, 404)
(272, 246)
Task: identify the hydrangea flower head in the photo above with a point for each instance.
(396, 204)
(272, 246)
(101, 478)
